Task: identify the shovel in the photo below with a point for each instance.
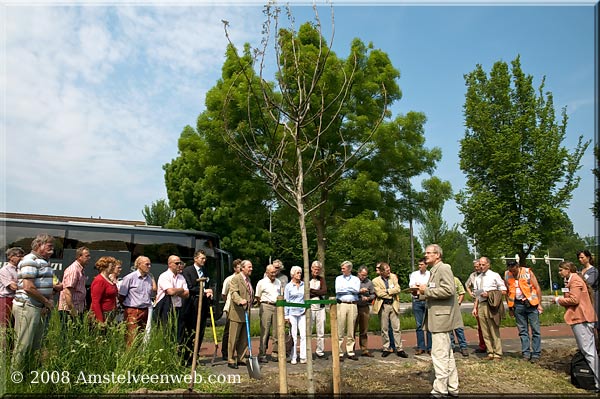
(212, 320)
(252, 363)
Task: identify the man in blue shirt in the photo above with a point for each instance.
(347, 288)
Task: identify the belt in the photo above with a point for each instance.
(351, 302)
(22, 304)
(267, 303)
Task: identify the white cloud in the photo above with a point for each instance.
(97, 97)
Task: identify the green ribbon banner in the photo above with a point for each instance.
(306, 303)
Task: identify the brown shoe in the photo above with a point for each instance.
(367, 354)
(419, 352)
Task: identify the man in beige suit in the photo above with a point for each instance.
(387, 305)
(240, 288)
(443, 316)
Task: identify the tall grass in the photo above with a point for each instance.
(81, 358)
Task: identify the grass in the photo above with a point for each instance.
(84, 359)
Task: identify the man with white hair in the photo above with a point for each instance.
(135, 296)
(443, 316)
(266, 293)
(33, 300)
(489, 289)
(347, 288)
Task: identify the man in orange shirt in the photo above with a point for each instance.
(523, 298)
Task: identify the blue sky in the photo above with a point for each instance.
(97, 95)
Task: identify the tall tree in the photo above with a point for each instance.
(159, 213)
(399, 154)
(520, 177)
(301, 133)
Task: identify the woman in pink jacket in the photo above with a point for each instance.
(579, 314)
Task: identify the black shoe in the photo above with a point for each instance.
(386, 353)
(241, 363)
(273, 358)
(232, 366)
(353, 357)
(341, 358)
(402, 354)
(479, 350)
(322, 356)
(263, 359)
(225, 357)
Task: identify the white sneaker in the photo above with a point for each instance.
(302, 361)
(294, 361)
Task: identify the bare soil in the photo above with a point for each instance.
(394, 375)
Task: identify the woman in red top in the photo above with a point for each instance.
(104, 290)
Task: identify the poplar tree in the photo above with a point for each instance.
(520, 176)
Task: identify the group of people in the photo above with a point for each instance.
(28, 288)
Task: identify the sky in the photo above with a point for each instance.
(96, 94)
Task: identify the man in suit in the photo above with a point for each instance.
(387, 305)
(189, 311)
(443, 316)
(242, 296)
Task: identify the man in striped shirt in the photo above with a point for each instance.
(33, 300)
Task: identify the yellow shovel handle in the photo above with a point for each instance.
(212, 320)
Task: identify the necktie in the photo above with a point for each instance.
(248, 286)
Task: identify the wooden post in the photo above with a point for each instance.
(281, 354)
(201, 280)
(335, 347)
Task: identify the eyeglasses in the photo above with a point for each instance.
(179, 263)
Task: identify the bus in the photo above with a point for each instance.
(123, 241)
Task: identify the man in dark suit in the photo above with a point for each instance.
(242, 297)
(189, 312)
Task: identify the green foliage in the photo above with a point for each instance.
(519, 176)
(318, 140)
(158, 214)
(82, 359)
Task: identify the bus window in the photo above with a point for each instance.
(96, 240)
(158, 247)
(21, 236)
(207, 245)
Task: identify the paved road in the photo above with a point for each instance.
(509, 335)
(465, 307)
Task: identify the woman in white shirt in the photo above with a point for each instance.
(296, 316)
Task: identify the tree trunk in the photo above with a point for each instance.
(412, 245)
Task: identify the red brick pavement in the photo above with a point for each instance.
(409, 338)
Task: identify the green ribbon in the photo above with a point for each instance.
(306, 303)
